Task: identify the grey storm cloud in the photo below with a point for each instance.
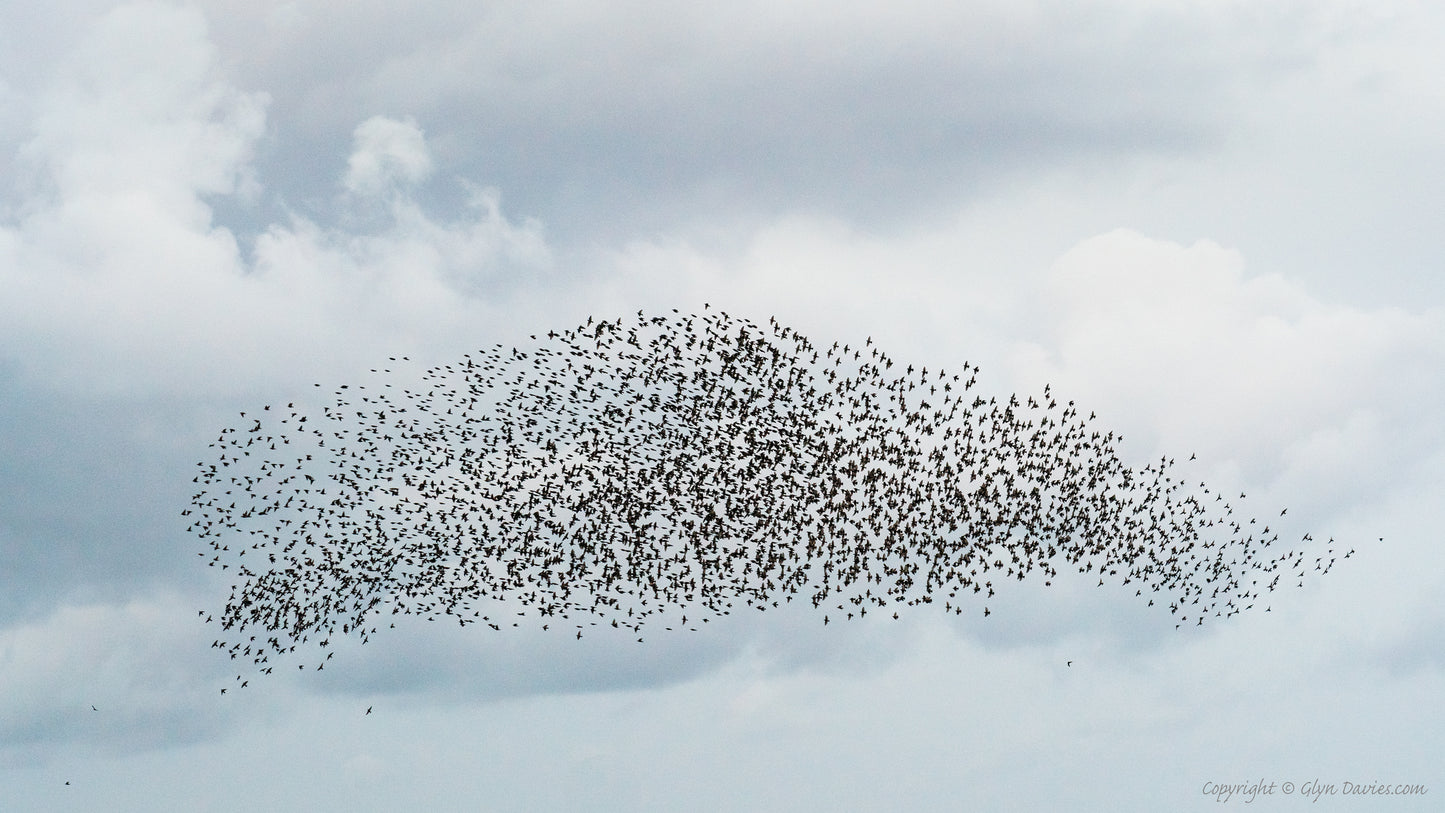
(614, 114)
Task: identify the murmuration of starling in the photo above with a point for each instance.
(693, 464)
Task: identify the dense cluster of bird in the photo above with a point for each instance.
(692, 465)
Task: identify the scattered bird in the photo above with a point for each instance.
(692, 463)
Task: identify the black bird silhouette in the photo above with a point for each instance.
(694, 463)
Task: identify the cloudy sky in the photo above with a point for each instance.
(1216, 224)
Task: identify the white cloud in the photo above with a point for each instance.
(140, 109)
(118, 280)
(1201, 357)
(387, 153)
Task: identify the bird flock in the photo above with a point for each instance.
(688, 465)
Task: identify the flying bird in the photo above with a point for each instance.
(697, 464)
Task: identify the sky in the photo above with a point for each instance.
(1214, 224)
